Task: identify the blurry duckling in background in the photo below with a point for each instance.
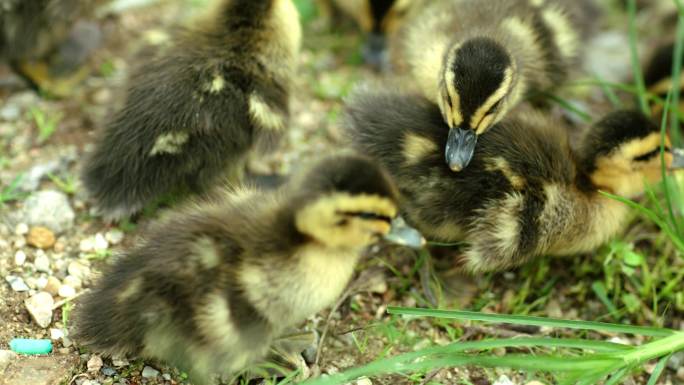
(378, 19)
(196, 108)
(525, 193)
(478, 59)
(47, 42)
(213, 284)
(658, 77)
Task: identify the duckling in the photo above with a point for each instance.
(377, 19)
(658, 76)
(525, 193)
(46, 42)
(214, 283)
(478, 59)
(194, 109)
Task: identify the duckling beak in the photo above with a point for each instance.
(459, 148)
(405, 235)
(374, 51)
(677, 158)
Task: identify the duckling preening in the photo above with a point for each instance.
(213, 284)
(478, 59)
(525, 193)
(195, 108)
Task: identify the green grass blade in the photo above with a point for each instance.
(667, 229)
(636, 65)
(609, 92)
(663, 166)
(586, 117)
(658, 370)
(599, 289)
(530, 320)
(676, 76)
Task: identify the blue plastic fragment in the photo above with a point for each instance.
(30, 346)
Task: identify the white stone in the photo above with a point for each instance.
(87, 245)
(21, 229)
(364, 381)
(503, 380)
(114, 236)
(49, 208)
(94, 363)
(42, 262)
(66, 291)
(78, 270)
(40, 308)
(19, 258)
(72, 281)
(17, 283)
(100, 243)
(149, 372)
(6, 356)
(56, 334)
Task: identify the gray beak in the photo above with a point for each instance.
(374, 51)
(405, 235)
(677, 158)
(459, 148)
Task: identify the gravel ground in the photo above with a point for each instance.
(52, 248)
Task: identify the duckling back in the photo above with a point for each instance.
(194, 109)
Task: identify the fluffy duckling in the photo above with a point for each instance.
(477, 59)
(525, 192)
(43, 41)
(377, 19)
(212, 285)
(195, 109)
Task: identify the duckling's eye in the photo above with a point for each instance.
(367, 216)
(649, 155)
(494, 107)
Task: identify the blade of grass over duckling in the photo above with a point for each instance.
(676, 75)
(535, 321)
(663, 166)
(636, 65)
(661, 223)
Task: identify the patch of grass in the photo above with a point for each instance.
(67, 184)
(45, 123)
(11, 192)
(66, 313)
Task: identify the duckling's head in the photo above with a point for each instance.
(348, 201)
(477, 87)
(621, 153)
(383, 18)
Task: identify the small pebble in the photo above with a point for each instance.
(87, 245)
(6, 356)
(108, 371)
(680, 373)
(49, 208)
(17, 283)
(73, 282)
(166, 376)
(114, 236)
(66, 291)
(41, 282)
(94, 363)
(31, 282)
(90, 382)
(535, 383)
(150, 372)
(56, 334)
(21, 229)
(503, 380)
(40, 308)
(41, 237)
(19, 258)
(52, 286)
(100, 243)
(78, 270)
(42, 263)
(364, 381)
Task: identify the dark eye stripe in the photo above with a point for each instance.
(650, 154)
(366, 215)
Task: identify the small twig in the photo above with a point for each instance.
(76, 377)
(324, 334)
(430, 376)
(62, 302)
